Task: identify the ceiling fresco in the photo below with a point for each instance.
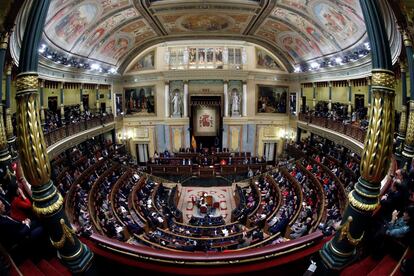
(115, 31)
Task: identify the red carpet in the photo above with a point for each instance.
(360, 268)
(385, 267)
(30, 269)
(60, 267)
(47, 268)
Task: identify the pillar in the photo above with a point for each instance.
(349, 98)
(303, 105)
(42, 107)
(375, 160)
(62, 106)
(408, 149)
(185, 100)
(330, 97)
(112, 106)
(314, 95)
(226, 99)
(11, 138)
(82, 108)
(298, 134)
(369, 92)
(244, 109)
(167, 99)
(5, 157)
(47, 201)
(403, 118)
(98, 104)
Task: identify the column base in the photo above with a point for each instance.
(408, 153)
(334, 260)
(12, 148)
(79, 263)
(399, 145)
(5, 157)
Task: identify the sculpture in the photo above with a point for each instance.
(176, 102)
(235, 106)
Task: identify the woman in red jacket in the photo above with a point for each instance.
(21, 206)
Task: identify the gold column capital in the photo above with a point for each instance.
(4, 40)
(382, 78)
(9, 69)
(27, 81)
(403, 66)
(407, 38)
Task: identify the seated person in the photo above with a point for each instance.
(13, 231)
(21, 206)
(398, 227)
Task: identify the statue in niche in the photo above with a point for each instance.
(176, 103)
(235, 102)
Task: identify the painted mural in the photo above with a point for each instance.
(103, 29)
(204, 23)
(335, 20)
(146, 62)
(298, 48)
(109, 30)
(265, 61)
(70, 27)
(271, 99)
(140, 100)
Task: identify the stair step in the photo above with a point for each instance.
(362, 267)
(385, 267)
(28, 268)
(60, 267)
(47, 268)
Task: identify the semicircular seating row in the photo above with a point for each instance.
(121, 203)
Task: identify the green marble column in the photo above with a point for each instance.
(62, 99)
(408, 150)
(375, 160)
(11, 138)
(47, 201)
(403, 118)
(5, 157)
(98, 104)
(82, 109)
(330, 96)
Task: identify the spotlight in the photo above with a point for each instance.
(338, 60)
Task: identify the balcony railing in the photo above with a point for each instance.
(58, 134)
(349, 130)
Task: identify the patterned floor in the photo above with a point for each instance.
(222, 194)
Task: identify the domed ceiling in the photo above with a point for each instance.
(115, 31)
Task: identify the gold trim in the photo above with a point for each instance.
(406, 38)
(339, 253)
(46, 197)
(44, 189)
(67, 234)
(207, 263)
(74, 256)
(378, 143)
(45, 211)
(4, 42)
(346, 234)
(30, 140)
(362, 206)
(27, 81)
(383, 78)
(364, 194)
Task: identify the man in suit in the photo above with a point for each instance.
(13, 231)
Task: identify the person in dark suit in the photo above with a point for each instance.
(13, 231)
